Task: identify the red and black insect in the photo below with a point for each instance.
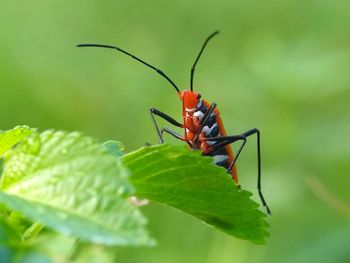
(202, 124)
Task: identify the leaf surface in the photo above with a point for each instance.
(10, 138)
(184, 179)
(70, 183)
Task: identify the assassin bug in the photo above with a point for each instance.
(202, 124)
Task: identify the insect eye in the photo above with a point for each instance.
(199, 96)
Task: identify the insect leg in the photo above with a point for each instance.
(257, 132)
(171, 132)
(164, 116)
(222, 141)
(225, 140)
(204, 120)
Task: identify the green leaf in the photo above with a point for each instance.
(11, 137)
(70, 183)
(184, 179)
(114, 147)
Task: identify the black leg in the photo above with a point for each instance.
(169, 119)
(225, 140)
(204, 120)
(257, 132)
(237, 155)
(222, 141)
(171, 132)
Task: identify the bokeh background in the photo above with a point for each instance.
(281, 66)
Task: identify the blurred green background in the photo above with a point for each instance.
(281, 66)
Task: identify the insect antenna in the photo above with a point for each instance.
(199, 55)
(134, 57)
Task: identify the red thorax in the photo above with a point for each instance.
(192, 123)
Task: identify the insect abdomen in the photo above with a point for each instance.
(223, 156)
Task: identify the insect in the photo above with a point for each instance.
(202, 124)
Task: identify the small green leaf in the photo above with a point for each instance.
(70, 183)
(11, 137)
(114, 147)
(185, 180)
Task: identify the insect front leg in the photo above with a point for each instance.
(169, 119)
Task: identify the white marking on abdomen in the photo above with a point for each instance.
(208, 130)
(220, 158)
(199, 115)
